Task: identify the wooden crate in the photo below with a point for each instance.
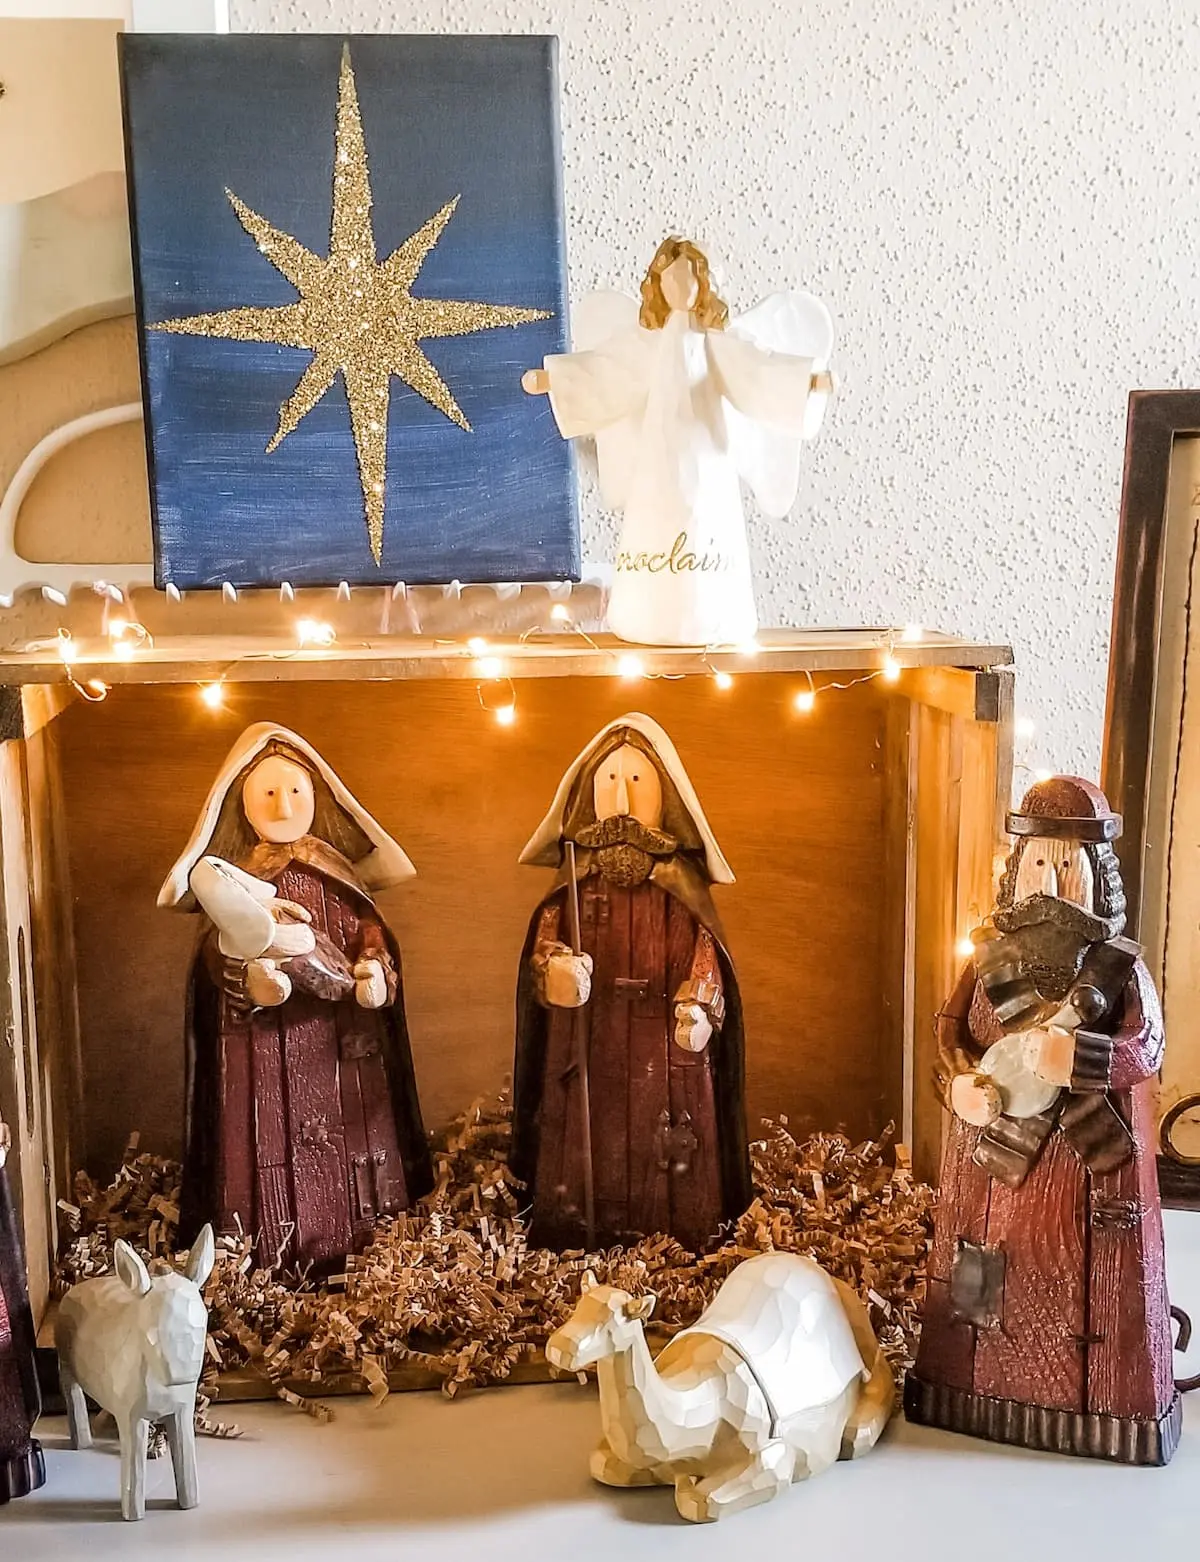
(863, 835)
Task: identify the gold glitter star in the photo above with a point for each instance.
(356, 315)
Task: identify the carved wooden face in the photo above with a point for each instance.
(627, 783)
(1059, 868)
(680, 288)
(278, 800)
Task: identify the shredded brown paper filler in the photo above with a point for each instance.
(454, 1287)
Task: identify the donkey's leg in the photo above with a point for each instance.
(757, 1476)
(79, 1426)
(134, 1432)
(181, 1440)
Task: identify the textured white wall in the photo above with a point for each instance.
(998, 201)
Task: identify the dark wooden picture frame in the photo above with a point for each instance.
(1152, 706)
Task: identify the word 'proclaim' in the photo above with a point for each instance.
(680, 560)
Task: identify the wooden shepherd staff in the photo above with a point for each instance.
(581, 1033)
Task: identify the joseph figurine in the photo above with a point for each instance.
(303, 1124)
(628, 1078)
(1046, 1320)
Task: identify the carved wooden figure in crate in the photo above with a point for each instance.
(1046, 1320)
(780, 1376)
(303, 1119)
(628, 1113)
(22, 1469)
(135, 1345)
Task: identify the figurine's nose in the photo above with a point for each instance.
(1050, 880)
(283, 804)
(622, 796)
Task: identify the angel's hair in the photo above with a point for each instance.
(710, 310)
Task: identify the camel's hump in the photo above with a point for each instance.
(783, 1313)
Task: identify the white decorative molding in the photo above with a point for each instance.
(15, 570)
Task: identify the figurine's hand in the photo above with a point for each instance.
(975, 1098)
(370, 984)
(1050, 1052)
(693, 1028)
(566, 978)
(266, 985)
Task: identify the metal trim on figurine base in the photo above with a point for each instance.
(1125, 1440)
(22, 1474)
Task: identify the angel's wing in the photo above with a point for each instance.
(607, 322)
(766, 450)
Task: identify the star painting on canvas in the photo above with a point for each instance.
(370, 361)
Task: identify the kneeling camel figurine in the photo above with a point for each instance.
(780, 1376)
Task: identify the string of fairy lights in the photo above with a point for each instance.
(495, 688)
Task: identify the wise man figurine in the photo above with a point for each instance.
(1046, 1320)
(22, 1468)
(303, 1123)
(628, 1114)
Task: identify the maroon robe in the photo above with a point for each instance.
(667, 1126)
(22, 1469)
(1066, 1344)
(303, 1120)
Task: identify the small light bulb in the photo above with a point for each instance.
(1024, 727)
(67, 648)
(1042, 775)
(118, 627)
(964, 949)
(125, 650)
(560, 613)
(723, 680)
(213, 695)
(99, 690)
(891, 669)
(630, 667)
(804, 700)
(750, 648)
(912, 633)
(310, 632)
(505, 714)
(490, 667)
(477, 645)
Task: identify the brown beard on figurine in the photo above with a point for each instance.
(22, 1468)
(303, 1123)
(628, 1114)
(1046, 1320)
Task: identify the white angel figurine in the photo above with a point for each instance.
(684, 405)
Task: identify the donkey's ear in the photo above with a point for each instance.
(640, 1306)
(131, 1269)
(588, 1282)
(201, 1258)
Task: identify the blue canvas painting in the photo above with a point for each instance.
(346, 252)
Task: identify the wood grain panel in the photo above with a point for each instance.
(797, 803)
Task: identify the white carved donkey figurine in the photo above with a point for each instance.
(780, 1376)
(136, 1346)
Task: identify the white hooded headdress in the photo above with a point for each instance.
(544, 847)
(384, 865)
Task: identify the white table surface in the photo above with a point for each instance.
(502, 1476)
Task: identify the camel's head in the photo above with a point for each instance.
(606, 1321)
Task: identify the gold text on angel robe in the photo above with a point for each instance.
(679, 561)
